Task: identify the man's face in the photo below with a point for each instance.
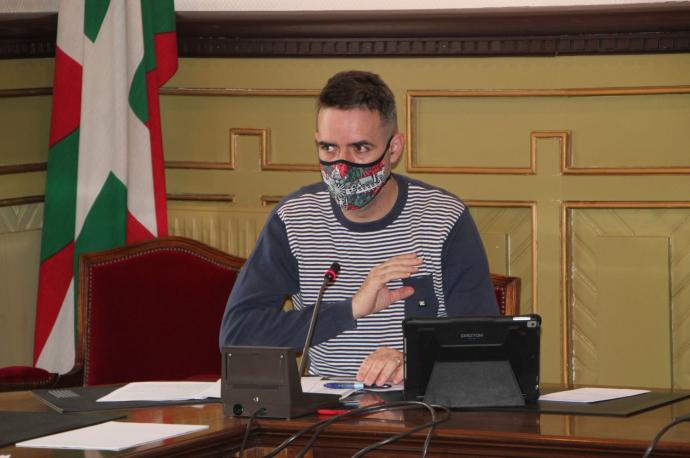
(355, 135)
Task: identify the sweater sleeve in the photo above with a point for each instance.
(254, 313)
(466, 280)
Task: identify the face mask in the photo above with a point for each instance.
(353, 186)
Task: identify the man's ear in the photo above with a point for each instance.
(397, 147)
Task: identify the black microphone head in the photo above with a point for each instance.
(332, 272)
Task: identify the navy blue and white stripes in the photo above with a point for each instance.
(318, 235)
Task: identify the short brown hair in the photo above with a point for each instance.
(359, 89)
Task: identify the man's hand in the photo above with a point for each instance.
(373, 295)
(382, 366)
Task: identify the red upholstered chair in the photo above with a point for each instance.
(14, 378)
(507, 291)
(152, 311)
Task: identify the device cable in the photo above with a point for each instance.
(661, 432)
(318, 427)
(253, 416)
(427, 442)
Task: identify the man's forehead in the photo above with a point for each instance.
(336, 119)
(356, 112)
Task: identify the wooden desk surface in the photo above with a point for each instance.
(487, 434)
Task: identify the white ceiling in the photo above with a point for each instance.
(37, 6)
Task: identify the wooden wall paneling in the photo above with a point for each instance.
(616, 131)
(229, 229)
(24, 127)
(627, 304)
(20, 237)
(508, 230)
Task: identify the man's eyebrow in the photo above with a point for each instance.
(361, 143)
(323, 143)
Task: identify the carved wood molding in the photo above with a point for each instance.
(16, 201)
(619, 29)
(198, 197)
(631, 43)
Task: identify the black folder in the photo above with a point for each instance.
(621, 407)
(83, 399)
(21, 426)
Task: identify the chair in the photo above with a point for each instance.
(146, 311)
(152, 311)
(14, 378)
(507, 291)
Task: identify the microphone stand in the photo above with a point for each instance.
(329, 276)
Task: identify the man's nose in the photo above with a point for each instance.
(346, 155)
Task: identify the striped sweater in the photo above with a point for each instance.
(307, 232)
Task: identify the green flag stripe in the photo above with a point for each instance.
(105, 225)
(158, 16)
(61, 193)
(162, 15)
(94, 14)
(138, 100)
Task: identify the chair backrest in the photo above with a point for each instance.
(152, 311)
(507, 291)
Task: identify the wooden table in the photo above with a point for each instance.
(485, 434)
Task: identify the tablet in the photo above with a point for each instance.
(473, 361)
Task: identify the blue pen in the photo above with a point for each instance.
(353, 386)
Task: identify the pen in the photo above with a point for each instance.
(352, 386)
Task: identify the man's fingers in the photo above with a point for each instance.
(382, 366)
(399, 375)
(401, 293)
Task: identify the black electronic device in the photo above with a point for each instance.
(266, 377)
(473, 362)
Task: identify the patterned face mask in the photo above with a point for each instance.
(353, 186)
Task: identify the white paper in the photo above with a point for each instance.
(163, 391)
(591, 394)
(113, 435)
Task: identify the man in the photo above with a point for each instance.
(405, 248)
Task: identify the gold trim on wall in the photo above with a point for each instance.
(200, 165)
(26, 92)
(235, 92)
(566, 154)
(194, 197)
(266, 163)
(564, 145)
(267, 200)
(566, 271)
(15, 201)
(25, 167)
(533, 212)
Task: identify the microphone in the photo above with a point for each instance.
(329, 276)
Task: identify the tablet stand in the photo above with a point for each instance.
(266, 377)
(468, 384)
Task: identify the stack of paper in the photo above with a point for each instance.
(164, 391)
(591, 394)
(112, 435)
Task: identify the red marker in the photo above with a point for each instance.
(331, 411)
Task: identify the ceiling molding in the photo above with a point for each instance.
(620, 29)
